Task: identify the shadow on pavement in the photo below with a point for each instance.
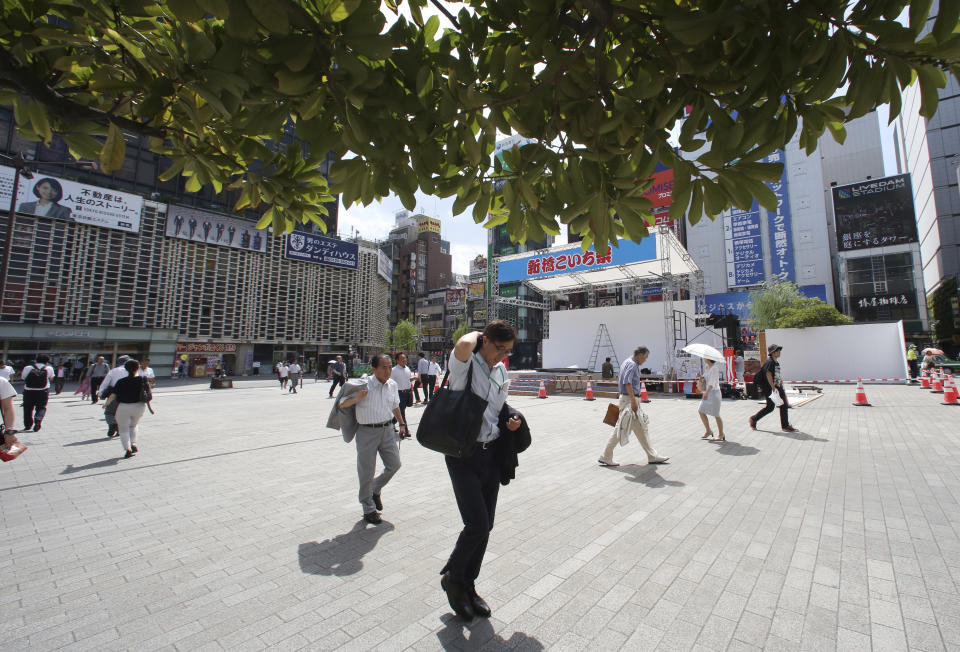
(454, 636)
(733, 448)
(94, 465)
(87, 441)
(343, 554)
(800, 436)
(647, 475)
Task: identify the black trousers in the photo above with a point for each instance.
(428, 383)
(914, 368)
(406, 399)
(58, 384)
(476, 484)
(337, 380)
(34, 406)
(768, 408)
(95, 387)
(416, 390)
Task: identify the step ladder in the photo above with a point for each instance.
(602, 343)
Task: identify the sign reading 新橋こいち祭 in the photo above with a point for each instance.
(573, 260)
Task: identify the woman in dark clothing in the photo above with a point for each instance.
(133, 394)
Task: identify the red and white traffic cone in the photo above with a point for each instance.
(543, 391)
(937, 384)
(644, 397)
(589, 396)
(924, 380)
(861, 400)
(950, 392)
(436, 385)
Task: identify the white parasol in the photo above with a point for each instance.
(704, 351)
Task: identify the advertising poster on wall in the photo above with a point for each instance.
(71, 201)
(660, 193)
(428, 225)
(781, 232)
(478, 265)
(196, 225)
(875, 213)
(317, 249)
(455, 298)
(476, 290)
(743, 246)
(384, 266)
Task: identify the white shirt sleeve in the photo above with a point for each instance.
(6, 389)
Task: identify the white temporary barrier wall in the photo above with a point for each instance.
(573, 332)
(841, 352)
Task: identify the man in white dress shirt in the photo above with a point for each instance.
(36, 391)
(402, 375)
(110, 411)
(376, 407)
(423, 371)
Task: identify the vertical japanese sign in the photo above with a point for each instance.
(781, 239)
(744, 246)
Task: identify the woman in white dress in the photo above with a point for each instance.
(710, 403)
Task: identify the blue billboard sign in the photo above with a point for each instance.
(738, 303)
(574, 260)
(311, 248)
(744, 246)
(781, 234)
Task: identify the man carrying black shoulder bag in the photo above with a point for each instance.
(478, 468)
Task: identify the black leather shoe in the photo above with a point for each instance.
(128, 455)
(378, 502)
(458, 597)
(480, 606)
(373, 517)
(134, 448)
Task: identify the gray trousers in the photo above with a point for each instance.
(369, 442)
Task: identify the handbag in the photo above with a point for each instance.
(145, 394)
(451, 421)
(613, 413)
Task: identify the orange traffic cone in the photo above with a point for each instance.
(937, 384)
(436, 386)
(924, 380)
(861, 395)
(950, 392)
(543, 391)
(589, 396)
(644, 397)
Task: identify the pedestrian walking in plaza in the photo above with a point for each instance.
(338, 374)
(83, 389)
(377, 403)
(293, 375)
(132, 395)
(97, 372)
(606, 370)
(476, 479)
(36, 392)
(283, 373)
(423, 371)
(710, 401)
(401, 376)
(630, 419)
(78, 367)
(769, 382)
(59, 378)
(6, 370)
(146, 372)
(738, 366)
(106, 388)
(434, 372)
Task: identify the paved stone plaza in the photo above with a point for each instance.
(237, 527)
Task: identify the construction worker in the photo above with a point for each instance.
(913, 360)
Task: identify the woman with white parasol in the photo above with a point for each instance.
(710, 402)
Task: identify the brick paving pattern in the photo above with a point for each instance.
(237, 527)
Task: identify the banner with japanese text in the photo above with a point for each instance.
(71, 201)
(743, 246)
(874, 213)
(317, 249)
(572, 260)
(781, 233)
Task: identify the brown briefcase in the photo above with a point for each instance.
(613, 413)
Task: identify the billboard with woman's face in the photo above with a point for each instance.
(62, 199)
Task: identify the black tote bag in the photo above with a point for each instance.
(451, 421)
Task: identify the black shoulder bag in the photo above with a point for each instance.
(451, 421)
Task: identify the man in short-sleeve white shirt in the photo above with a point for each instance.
(377, 405)
(7, 394)
(146, 371)
(6, 371)
(35, 398)
(293, 375)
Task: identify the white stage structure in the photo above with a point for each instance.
(657, 261)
